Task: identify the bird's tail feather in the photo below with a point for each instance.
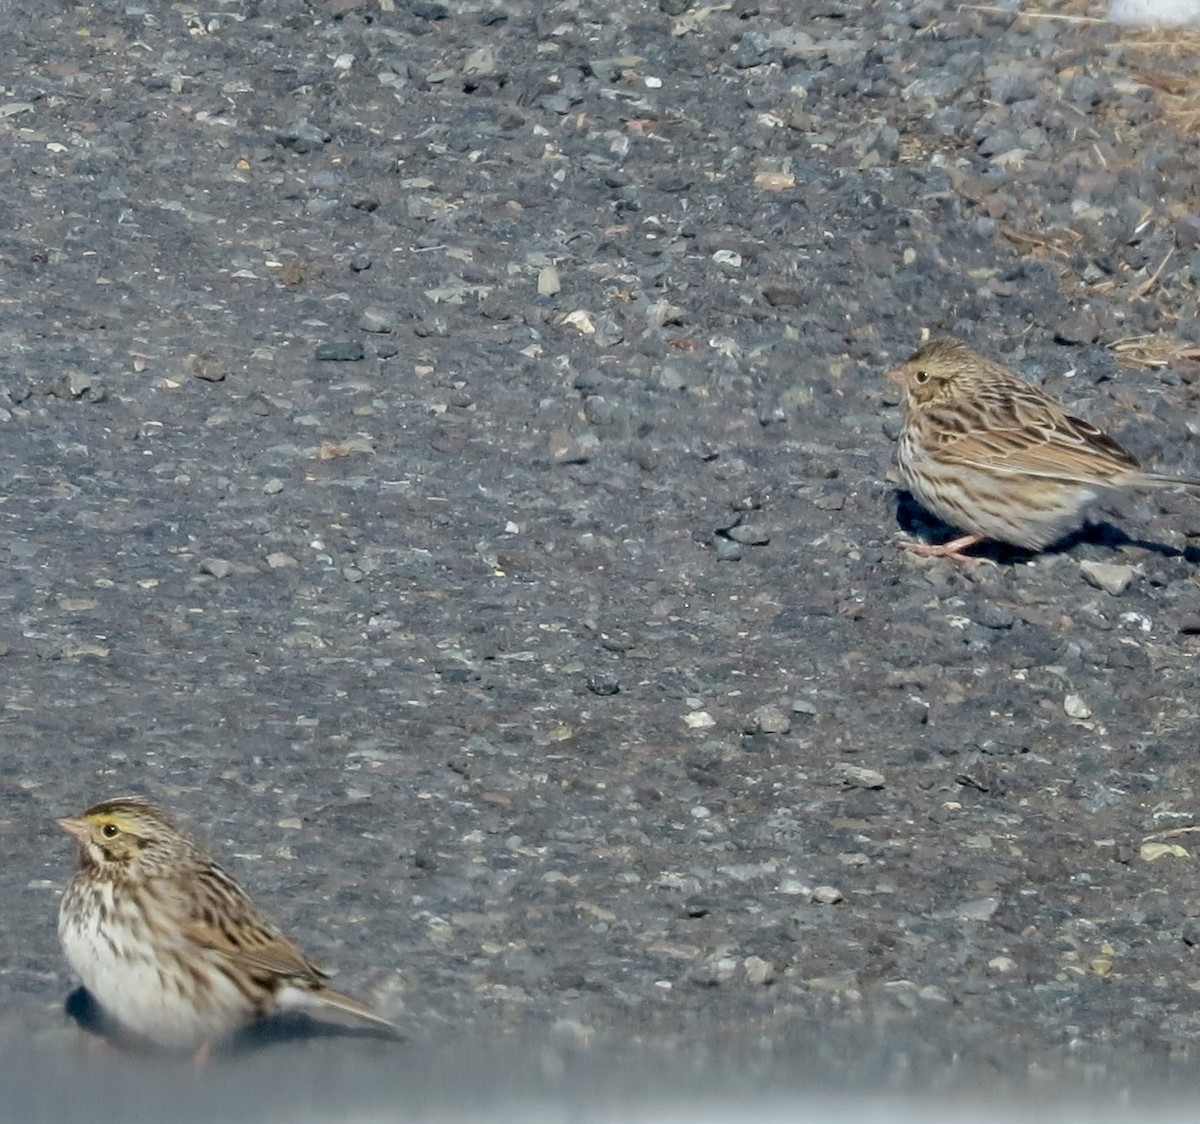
(1160, 480)
(340, 1002)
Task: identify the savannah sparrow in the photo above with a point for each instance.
(168, 943)
(996, 457)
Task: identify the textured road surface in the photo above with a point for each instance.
(444, 458)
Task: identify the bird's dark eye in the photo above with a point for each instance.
(922, 376)
(110, 831)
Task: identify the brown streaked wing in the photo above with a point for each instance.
(1026, 433)
(226, 921)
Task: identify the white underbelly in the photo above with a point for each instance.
(154, 998)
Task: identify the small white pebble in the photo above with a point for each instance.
(759, 971)
(1076, 707)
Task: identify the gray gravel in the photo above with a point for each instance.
(445, 460)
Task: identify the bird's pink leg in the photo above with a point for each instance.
(952, 549)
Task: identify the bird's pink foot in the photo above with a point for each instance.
(952, 549)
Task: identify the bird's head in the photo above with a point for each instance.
(122, 834)
(938, 371)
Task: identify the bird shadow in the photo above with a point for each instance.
(297, 1026)
(282, 1029)
(915, 521)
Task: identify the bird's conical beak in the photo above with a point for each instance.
(896, 377)
(77, 828)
